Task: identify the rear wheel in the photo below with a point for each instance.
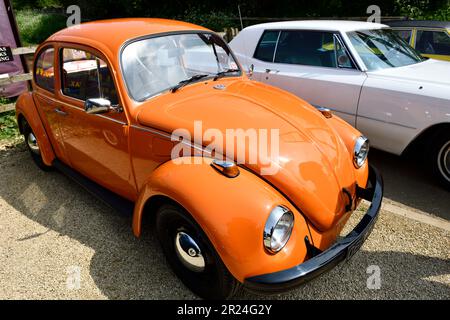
(440, 158)
(33, 146)
(191, 255)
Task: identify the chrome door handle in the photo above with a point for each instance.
(272, 70)
(61, 112)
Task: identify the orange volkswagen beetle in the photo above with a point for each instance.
(129, 108)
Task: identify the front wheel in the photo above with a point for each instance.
(440, 158)
(191, 255)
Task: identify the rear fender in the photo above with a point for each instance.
(26, 110)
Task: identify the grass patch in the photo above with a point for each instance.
(8, 124)
(35, 27)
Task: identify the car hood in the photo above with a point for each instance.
(313, 164)
(429, 71)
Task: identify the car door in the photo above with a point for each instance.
(96, 144)
(44, 96)
(313, 65)
(433, 43)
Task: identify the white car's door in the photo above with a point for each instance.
(313, 65)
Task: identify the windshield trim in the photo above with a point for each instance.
(165, 34)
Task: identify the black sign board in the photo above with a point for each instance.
(6, 54)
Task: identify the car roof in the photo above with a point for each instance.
(328, 25)
(113, 33)
(419, 23)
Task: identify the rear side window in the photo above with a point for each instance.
(311, 48)
(86, 76)
(266, 46)
(433, 42)
(44, 75)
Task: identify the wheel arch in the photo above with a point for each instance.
(420, 141)
(26, 111)
(231, 212)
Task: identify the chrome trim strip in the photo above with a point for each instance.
(169, 137)
(359, 116)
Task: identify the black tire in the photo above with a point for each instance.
(35, 154)
(214, 281)
(439, 158)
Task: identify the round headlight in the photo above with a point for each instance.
(360, 151)
(278, 229)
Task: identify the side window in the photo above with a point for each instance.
(433, 42)
(309, 48)
(266, 46)
(86, 76)
(404, 34)
(44, 75)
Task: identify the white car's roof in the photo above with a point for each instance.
(329, 25)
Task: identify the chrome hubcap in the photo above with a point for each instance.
(189, 252)
(444, 160)
(32, 143)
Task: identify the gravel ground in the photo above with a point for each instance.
(51, 229)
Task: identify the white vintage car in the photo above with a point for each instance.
(365, 73)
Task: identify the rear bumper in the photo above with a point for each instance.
(342, 250)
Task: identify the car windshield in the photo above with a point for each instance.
(153, 65)
(381, 49)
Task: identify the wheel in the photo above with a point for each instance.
(440, 158)
(191, 255)
(33, 146)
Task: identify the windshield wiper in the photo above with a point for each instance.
(182, 83)
(224, 73)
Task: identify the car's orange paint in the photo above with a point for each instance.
(129, 152)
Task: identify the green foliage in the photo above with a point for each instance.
(216, 21)
(35, 27)
(8, 125)
(424, 9)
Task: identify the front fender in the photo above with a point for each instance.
(349, 135)
(26, 108)
(231, 211)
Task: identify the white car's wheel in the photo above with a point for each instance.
(440, 159)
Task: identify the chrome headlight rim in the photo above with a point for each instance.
(361, 143)
(272, 222)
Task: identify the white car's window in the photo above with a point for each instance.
(405, 34)
(381, 49)
(310, 48)
(266, 46)
(156, 64)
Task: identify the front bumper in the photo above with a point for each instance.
(342, 250)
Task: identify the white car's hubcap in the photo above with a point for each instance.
(444, 160)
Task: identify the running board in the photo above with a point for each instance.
(110, 198)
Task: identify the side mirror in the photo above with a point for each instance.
(97, 105)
